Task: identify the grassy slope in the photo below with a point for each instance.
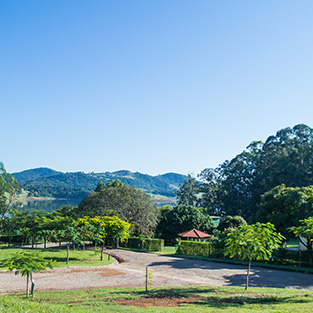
(217, 299)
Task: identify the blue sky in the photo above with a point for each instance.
(149, 86)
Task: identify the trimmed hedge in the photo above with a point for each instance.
(215, 250)
(209, 249)
(136, 243)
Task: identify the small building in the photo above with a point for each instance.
(194, 234)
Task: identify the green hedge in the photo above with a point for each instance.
(290, 257)
(136, 243)
(215, 250)
(209, 249)
(154, 244)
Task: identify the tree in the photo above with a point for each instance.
(231, 222)
(128, 203)
(305, 230)
(253, 242)
(180, 218)
(235, 187)
(285, 206)
(99, 228)
(188, 193)
(27, 263)
(69, 234)
(8, 188)
(100, 187)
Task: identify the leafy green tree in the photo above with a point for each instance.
(129, 204)
(182, 218)
(102, 227)
(8, 188)
(253, 242)
(69, 234)
(101, 186)
(27, 263)
(231, 222)
(305, 230)
(188, 193)
(235, 187)
(285, 206)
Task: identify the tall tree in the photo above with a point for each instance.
(286, 158)
(285, 206)
(128, 203)
(188, 193)
(8, 188)
(182, 218)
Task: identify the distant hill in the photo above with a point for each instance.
(45, 182)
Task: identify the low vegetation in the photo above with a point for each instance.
(175, 299)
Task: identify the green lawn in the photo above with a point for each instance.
(212, 299)
(77, 257)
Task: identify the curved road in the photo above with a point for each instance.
(167, 271)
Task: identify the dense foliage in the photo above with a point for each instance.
(235, 187)
(182, 218)
(286, 206)
(8, 188)
(128, 203)
(253, 242)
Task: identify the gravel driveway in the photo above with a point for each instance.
(167, 271)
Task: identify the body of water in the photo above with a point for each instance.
(48, 205)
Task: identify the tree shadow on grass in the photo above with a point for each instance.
(214, 298)
(62, 260)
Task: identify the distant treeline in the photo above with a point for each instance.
(46, 182)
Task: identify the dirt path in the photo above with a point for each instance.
(167, 271)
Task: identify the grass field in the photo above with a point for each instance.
(175, 299)
(77, 257)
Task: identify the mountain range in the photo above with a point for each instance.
(46, 182)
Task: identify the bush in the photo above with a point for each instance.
(209, 249)
(136, 242)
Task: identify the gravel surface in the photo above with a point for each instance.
(167, 271)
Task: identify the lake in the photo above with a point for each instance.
(48, 205)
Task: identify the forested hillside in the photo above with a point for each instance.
(46, 182)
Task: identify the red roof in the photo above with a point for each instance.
(194, 233)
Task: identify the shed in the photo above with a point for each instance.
(195, 234)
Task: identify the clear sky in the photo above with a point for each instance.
(151, 86)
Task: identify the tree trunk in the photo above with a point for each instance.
(102, 249)
(45, 243)
(68, 253)
(247, 278)
(27, 288)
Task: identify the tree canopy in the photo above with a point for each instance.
(181, 218)
(188, 193)
(128, 203)
(286, 206)
(235, 187)
(253, 242)
(8, 188)
(305, 230)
